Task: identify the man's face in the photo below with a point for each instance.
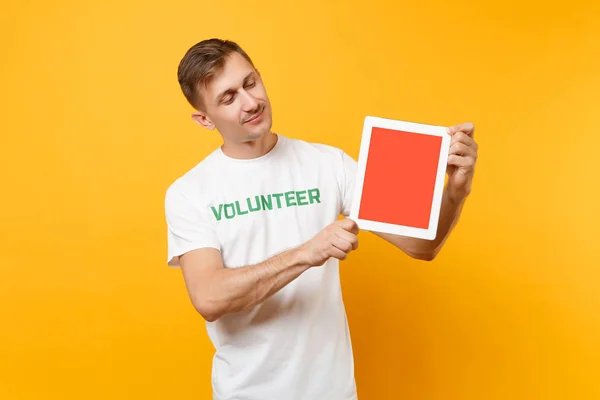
(236, 102)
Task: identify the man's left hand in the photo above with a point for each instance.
(461, 160)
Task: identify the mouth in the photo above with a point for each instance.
(256, 117)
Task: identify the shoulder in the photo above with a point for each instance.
(191, 182)
(316, 149)
(329, 155)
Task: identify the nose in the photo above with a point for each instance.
(249, 102)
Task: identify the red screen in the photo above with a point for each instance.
(400, 177)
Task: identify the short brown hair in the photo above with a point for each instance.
(201, 62)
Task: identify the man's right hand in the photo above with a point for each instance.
(336, 240)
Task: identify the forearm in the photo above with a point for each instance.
(235, 289)
(450, 210)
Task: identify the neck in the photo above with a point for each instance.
(250, 149)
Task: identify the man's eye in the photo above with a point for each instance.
(251, 84)
(228, 100)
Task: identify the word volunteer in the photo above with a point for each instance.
(267, 202)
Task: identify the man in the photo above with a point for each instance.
(255, 229)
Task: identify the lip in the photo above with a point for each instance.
(256, 117)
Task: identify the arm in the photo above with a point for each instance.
(461, 167)
(427, 250)
(215, 290)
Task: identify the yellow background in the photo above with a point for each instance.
(94, 128)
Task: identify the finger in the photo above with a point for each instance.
(341, 244)
(459, 161)
(461, 137)
(461, 149)
(467, 127)
(337, 253)
(348, 237)
(355, 229)
(348, 225)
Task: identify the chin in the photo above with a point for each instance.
(256, 135)
(260, 131)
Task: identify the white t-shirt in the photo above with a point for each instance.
(296, 344)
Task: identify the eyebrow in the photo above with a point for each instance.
(230, 90)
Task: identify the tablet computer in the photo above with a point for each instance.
(400, 177)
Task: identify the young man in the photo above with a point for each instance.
(255, 229)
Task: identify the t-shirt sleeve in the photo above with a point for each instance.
(349, 167)
(188, 228)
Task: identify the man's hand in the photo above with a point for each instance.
(336, 240)
(461, 160)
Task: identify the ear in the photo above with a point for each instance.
(203, 120)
